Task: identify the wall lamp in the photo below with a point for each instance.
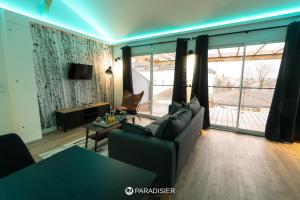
(109, 72)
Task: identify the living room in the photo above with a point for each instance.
(200, 102)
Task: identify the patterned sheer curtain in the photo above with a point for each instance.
(53, 50)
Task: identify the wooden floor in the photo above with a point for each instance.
(231, 166)
(58, 138)
(53, 140)
(223, 165)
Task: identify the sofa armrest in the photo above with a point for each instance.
(149, 153)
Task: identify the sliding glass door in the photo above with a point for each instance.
(224, 81)
(163, 78)
(241, 85)
(154, 74)
(141, 77)
(261, 69)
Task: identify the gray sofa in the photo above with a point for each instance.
(164, 157)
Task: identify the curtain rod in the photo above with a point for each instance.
(221, 34)
(150, 44)
(246, 31)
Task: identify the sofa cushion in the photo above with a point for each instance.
(136, 129)
(161, 128)
(171, 127)
(153, 128)
(161, 119)
(175, 106)
(194, 105)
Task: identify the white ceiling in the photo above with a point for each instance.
(121, 20)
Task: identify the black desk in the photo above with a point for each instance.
(75, 174)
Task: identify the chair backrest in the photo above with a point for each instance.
(131, 101)
(14, 154)
(126, 97)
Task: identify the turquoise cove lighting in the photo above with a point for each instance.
(67, 16)
(36, 13)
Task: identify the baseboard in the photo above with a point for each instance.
(32, 140)
(48, 130)
(27, 139)
(234, 130)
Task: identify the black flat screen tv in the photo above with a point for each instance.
(80, 71)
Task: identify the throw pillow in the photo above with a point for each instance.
(137, 129)
(175, 106)
(171, 128)
(195, 106)
(161, 119)
(161, 128)
(153, 128)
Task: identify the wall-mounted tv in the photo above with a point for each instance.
(80, 71)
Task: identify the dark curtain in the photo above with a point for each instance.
(179, 88)
(127, 74)
(200, 78)
(283, 120)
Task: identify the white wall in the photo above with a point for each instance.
(19, 108)
(271, 35)
(19, 111)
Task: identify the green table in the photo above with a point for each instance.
(75, 174)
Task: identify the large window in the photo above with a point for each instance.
(261, 69)
(154, 74)
(141, 81)
(241, 81)
(241, 85)
(224, 78)
(163, 78)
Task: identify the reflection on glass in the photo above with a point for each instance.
(141, 81)
(251, 98)
(163, 78)
(223, 106)
(162, 98)
(224, 76)
(260, 75)
(255, 106)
